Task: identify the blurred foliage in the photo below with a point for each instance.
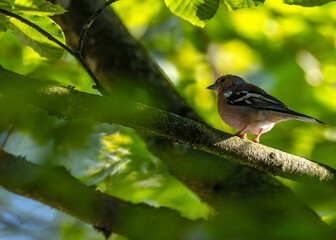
(36, 7)
(287, 50)
(307, 3)
(237, 4)
(33, 7)
(196, 12)
(131, 172)
(199, 12)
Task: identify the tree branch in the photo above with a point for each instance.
(70, 103)
(55, 187)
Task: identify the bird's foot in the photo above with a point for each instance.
(242, 136)
(256, 139)
(239, 133)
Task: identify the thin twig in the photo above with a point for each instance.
(89, 23)
(98, 86)
(73, 52)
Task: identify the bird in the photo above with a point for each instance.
(249, 109)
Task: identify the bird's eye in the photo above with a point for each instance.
(221, 80)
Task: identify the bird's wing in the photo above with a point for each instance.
(249, 95)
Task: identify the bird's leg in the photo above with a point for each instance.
(239, 133)
(256, 140)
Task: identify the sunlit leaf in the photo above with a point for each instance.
(129, 171)
(237, 4)
(307, 3)
(30, 37)
(197, 12)
(37, 7)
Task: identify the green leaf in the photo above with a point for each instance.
(4, 4)
(133, 173)
(237, 4)
(30, 37)
(3, 23)
(37, 7)
(197, 12)
(307, 3)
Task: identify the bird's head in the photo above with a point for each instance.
(225, 82)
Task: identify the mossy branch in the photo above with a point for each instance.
(70, 103)
(55, 187)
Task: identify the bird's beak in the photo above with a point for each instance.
(213, 86)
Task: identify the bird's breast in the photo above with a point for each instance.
(239, 117)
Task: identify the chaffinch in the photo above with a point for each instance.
(250, 109)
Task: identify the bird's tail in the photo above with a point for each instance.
(303, 117)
